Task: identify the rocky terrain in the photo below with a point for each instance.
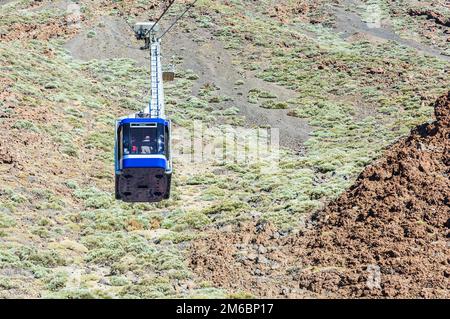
(344, 81)
(387, 236)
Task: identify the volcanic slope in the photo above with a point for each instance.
(386, 236)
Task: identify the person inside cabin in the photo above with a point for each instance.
(146, 145)
(134, 148)
(160, 144)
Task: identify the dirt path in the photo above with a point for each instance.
(109, 38)
(349, 23)
(214, 64)
(2, 2)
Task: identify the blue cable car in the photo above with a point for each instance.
(143, 159)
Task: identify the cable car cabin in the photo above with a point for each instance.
(143, 159)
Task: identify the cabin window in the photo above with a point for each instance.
(166, 142)
(143, 138)
(120, 134)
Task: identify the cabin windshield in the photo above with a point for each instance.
(143, 138)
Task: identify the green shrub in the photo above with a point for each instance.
(91, 34)
(6, 221)
(56, 281)
(274, 105)
(25, 125)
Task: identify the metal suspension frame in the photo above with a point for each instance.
(156, 106)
